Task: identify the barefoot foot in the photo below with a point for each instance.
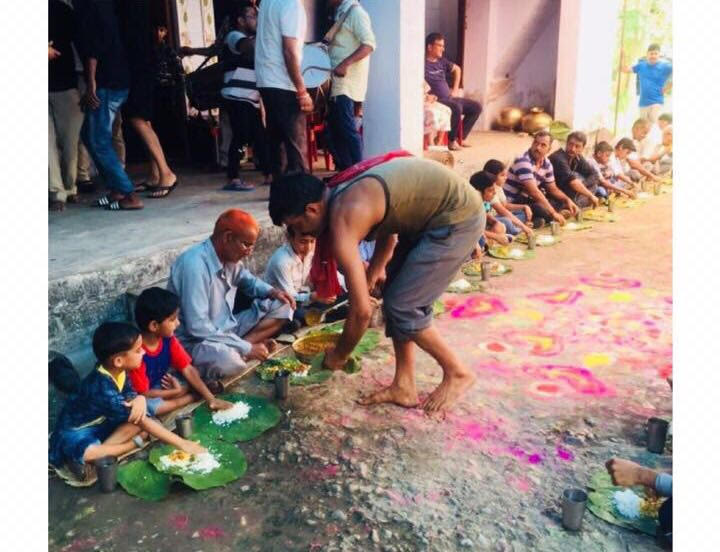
(448, 392)
(393, 394)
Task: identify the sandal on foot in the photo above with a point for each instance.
(124, 204)
(159, 192)
(57, 206)
(83, 472)
(146, 186)
(238, 185)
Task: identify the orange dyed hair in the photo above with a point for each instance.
(234, 220)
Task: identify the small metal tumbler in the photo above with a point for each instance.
(643, 185)
(657, 188)
(579, 216)
(554, 228)
(184, 425)
(531, 241)
(657, 429)
(573, 508)
(107, 473)
(611, 205)
(485, 271)
(282, 385)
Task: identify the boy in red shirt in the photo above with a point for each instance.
(156, 314)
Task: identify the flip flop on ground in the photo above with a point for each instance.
(158, 192)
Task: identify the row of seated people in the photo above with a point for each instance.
(538, 188)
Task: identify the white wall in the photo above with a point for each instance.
(441, 16)
(511, 54)
(393, 111)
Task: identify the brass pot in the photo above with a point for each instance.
(509, 117)
(536, 120)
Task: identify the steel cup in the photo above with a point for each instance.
(485, 271)
(573, 508)
(531, 241)
(184, 425)
(554, 228)
(657, 429)
(657, 188)
(579, 216)
(107, 473)
(282, 385)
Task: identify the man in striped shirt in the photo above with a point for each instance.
(531, 181)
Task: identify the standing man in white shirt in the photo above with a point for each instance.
(349, 49)
(278, 52)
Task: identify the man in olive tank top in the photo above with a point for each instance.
(426, 220)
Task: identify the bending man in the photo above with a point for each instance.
(427, 219)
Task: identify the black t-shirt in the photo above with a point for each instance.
(100, 39)
(62, 32)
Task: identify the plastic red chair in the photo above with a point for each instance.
(314, 127)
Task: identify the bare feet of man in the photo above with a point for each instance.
(393, 394)
(448, 392)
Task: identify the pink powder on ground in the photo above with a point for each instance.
(564, 454)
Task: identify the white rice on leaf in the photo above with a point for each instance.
(239, 411)
(516, 253)
(196, 463)
(461, 284)
(627, 503)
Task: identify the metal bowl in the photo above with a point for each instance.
(310, 346)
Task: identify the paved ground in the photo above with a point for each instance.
(189, 213)
(571, 350)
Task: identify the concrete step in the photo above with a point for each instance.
(78, 303)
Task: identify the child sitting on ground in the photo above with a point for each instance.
(608, 179)
(156, 314)
(512, 215)
(661, 158)
(105, 417)
(618, 162)
(484, 183)
(289, 270)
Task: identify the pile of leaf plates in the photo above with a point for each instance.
(511, 252)
(601, 504)
(263, 415)
(438, 308)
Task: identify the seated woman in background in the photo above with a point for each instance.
(437, 116)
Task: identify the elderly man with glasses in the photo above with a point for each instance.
(207, 277)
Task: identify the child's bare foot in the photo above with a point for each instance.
(448, 392)
(396, 395)
(191, 447)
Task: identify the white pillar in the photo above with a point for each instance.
(393, 110)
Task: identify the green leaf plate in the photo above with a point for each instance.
(509, 252)
(600, 503)
(232, 464)
(263, 416)
(139, 478)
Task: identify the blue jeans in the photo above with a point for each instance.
(346, 140)
(510, 228)
(96, 134)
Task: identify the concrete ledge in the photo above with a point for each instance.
(79, 302)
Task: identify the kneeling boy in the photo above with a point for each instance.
(105, 416)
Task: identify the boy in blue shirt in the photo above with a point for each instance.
(105, 416)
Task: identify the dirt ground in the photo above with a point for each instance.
(571, 350)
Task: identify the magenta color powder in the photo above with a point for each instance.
(565, 454)
(534, 459)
